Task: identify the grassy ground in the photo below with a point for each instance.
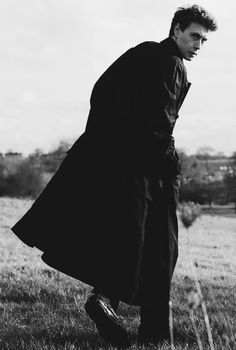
(42, 309)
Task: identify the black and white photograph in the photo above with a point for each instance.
(117, 175)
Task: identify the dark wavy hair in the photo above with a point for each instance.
(187, 15)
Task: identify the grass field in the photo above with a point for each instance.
(42, 309)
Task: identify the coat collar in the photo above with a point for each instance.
(171, 47)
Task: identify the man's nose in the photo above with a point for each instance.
(197, 45)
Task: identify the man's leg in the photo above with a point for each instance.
(154, 317)
(159, 249)
(154, 310)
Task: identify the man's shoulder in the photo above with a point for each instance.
(157, 48)
(147, 45)
(149, 52)
(155, 52)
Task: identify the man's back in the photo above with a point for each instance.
(139, 71)
(135, 104)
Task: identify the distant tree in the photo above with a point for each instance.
(2, 179)
(233, 156)
(192, 191)
(220, 155)
(214, 192)
(205, 152)
(203, 193)
(35, 159)
(189, 166)
(230, 187)
(52, 160)
(24, 181)
(184, 159)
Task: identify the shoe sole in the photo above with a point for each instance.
(109, 330)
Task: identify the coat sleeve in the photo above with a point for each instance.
(159, 92)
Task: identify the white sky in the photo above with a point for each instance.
(53, 51)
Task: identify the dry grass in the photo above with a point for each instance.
(43, 309)
(211, 241)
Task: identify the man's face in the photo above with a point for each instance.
(190, 40)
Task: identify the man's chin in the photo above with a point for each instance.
(187, 58)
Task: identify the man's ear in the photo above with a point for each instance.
(177, 30)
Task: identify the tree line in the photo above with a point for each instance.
(206, 177)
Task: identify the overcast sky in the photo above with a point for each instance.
(53, 51)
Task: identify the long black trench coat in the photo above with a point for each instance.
(108, 215)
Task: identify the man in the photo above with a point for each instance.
(108, 216)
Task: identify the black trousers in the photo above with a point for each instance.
(160, 256)
(159, 259)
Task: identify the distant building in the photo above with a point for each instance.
(210, 170)
(13, 155)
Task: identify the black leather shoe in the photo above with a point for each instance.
(108, 324)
